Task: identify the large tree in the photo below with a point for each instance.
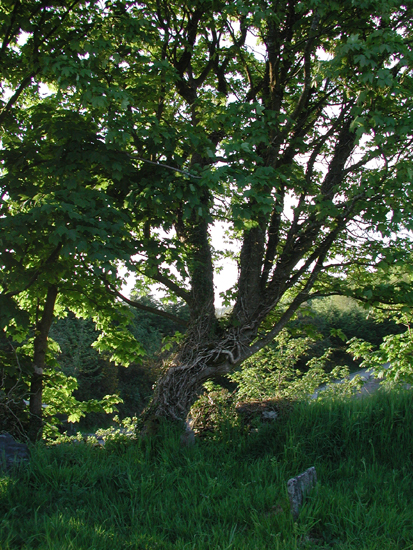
(291, 121)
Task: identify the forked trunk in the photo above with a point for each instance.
(200, 359)
(206, 355)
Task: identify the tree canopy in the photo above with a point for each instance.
(289, 121)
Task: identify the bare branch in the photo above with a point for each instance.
(148, 309)
(172, 286)
(301, 297)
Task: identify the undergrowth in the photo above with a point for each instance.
(229, 490)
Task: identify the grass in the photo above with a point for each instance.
(226, 493)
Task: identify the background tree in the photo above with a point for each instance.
(334, 320)
(31, 35)
(393, 358)
(57, 229)
(97, 376)
(303, 148)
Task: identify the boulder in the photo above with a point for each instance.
(12, 453)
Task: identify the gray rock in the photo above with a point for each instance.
(187, 439)
(269, 415)
(298, 487)
(12, 453)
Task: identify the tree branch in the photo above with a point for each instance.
(161, 165)
(26, 81)
(172, 286)
(9, 29)
(148, 309)
(295, 304)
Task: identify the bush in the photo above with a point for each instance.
(214, 413)
(337, 319)
(273, 374)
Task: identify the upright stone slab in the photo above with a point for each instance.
(12, 452)
(298, 487)
(187, 439)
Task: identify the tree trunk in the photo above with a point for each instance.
(39, 357)
(202, 357)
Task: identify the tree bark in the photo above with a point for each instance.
(39, 358)
(203, 356)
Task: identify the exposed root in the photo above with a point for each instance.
(198, 360)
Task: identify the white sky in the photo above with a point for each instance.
(223, 280)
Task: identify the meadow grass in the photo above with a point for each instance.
(228, 491)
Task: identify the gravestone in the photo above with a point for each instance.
(11, 452)
(187, 439)
(298, 487)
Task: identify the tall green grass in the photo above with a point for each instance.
(228, 492)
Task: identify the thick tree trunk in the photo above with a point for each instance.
(177, 390)
(201, 358)
(39, 357)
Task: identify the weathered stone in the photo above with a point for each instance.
(187, 439)
(269, 415)
(12, 452)
(298, 487)
(265, 411)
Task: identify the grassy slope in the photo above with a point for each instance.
(229, 493)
